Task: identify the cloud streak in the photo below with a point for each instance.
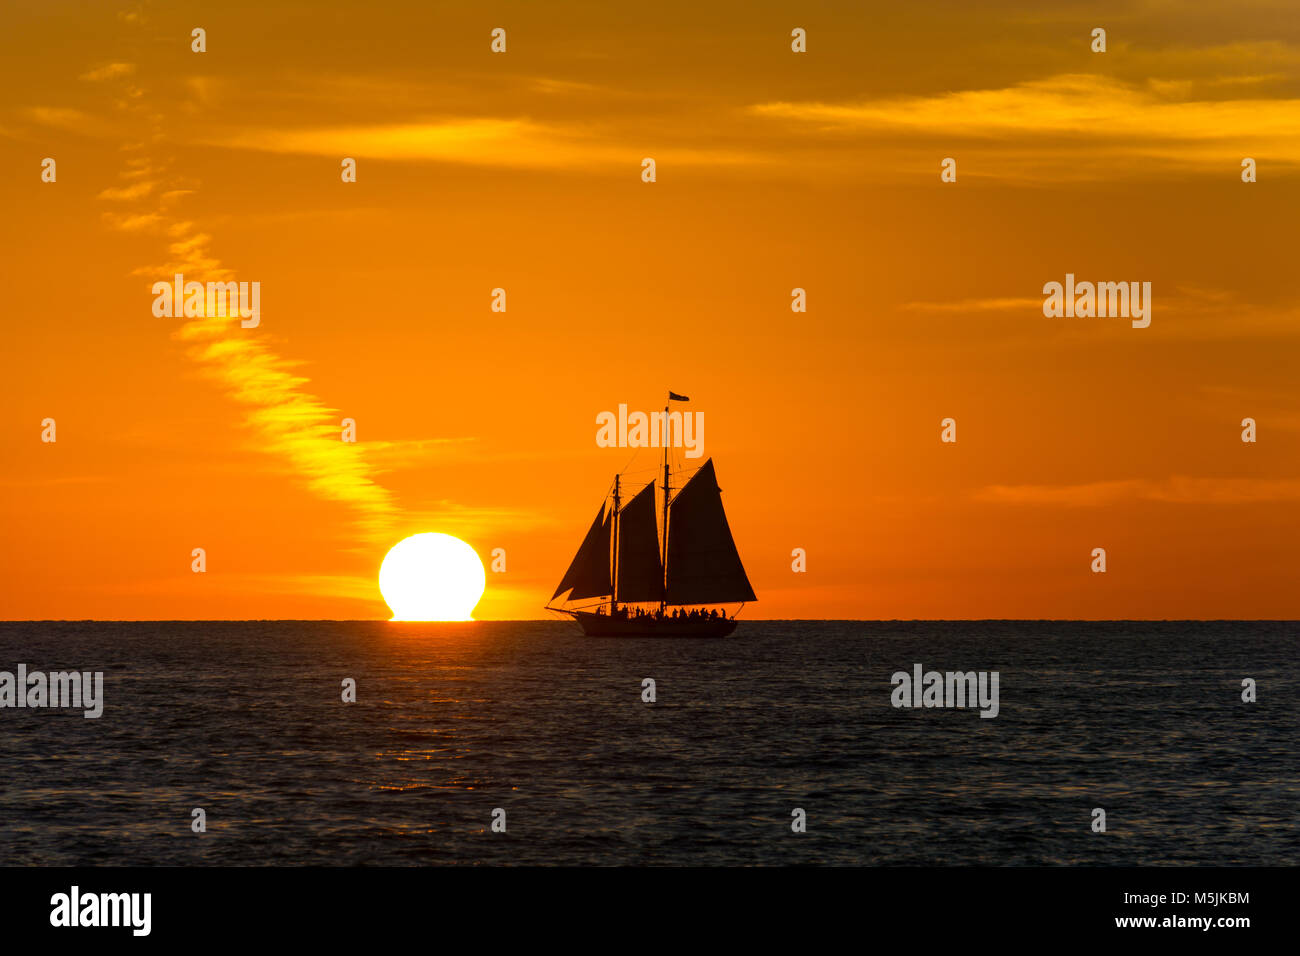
(289, 422)
(1178, 489)
(481, 141)
(1044, 120)
(109, 71)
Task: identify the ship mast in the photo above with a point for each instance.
(613, 597)
(663, 437)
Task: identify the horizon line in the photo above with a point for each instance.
(771, 620)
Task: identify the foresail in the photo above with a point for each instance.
(704, 566)
(588, 574)
(640, 571)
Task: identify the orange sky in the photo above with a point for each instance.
(775, 170)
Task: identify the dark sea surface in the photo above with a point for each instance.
(245, 720)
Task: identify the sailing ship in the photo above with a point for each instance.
(640, 577)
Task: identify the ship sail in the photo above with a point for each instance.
(588, 573)
(704, 566)
(640, 572)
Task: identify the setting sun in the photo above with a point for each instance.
(432, 577)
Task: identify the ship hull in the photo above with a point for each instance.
(602, 625)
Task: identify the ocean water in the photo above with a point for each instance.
(245, 720)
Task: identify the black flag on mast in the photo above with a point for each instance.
(674, 397)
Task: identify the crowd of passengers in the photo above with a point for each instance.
(640, 614)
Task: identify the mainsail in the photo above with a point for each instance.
(703, 564)
(588, 574)
(640, 572)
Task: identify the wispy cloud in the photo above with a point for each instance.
(484, 141)
(976, 305)
(1189, 313)
(1043, 121)
(110, 71)
(136, 222)
(287, 420)
(127, 193)
(1174, 490)
(67, 119)
(1080, 104)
